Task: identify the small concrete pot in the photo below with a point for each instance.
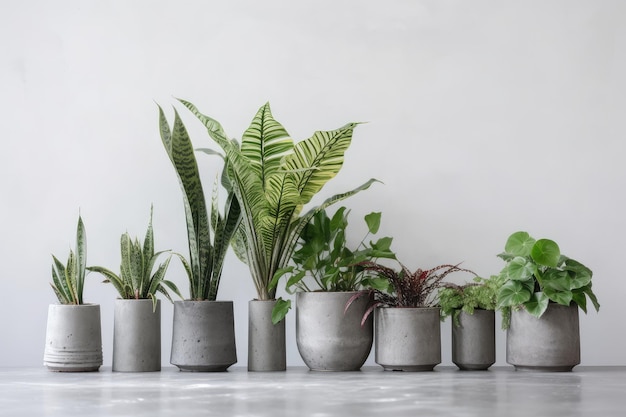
(73, 338)
(329, 339)
(267, 350)
(548, 343)
(203, 336)
(474, 340)
(136, 336)
(408, 339)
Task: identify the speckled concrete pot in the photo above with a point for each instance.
(203, 336)
(136, 336)
(73, 338)
(408, 339)
(474, 340)
(329, 339)
(548, 343)
(267, 350)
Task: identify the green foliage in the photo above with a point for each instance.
(481, 293)
(136, 280)
(68, 280)
(536, 273)
(322, 254)
(206, 254)
(273, 178)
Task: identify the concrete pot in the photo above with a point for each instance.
(136, 336)
(73, 338)
(474, 340)
(203, 336)
(408, 339)
(548, 343)
(328, 339)
(266, 341)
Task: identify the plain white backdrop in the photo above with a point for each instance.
(484, 118)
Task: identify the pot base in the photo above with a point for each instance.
(409, 368)
(565, 368)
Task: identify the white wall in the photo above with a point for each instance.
(486, 117)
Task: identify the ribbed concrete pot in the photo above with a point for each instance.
(136, 336)
(474, 340)
(408, 339)
(73, 338)
(267, 350)
(548, 343)
(203, 336)
(329, 339)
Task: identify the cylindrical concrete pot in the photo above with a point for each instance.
(203, 336)
(136, 336)
(266, 341)
(73, 338)
(329, 339)
(474, 340)
(408, 339)
(548, 343)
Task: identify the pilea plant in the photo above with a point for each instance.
(536, 273)
(481, 293)
(136, 280)
(68, 280)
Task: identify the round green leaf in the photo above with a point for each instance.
(546, 252)
(519, 244)
(537, 304)
(513, 293)
(561, 297)
(519, 269)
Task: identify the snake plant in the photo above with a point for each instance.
(136, 280)
(68, 280)
(273, 178)
(206, 254)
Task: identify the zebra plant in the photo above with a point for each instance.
(136, 280)
(68, 280)
(273, 178)
(206, 255)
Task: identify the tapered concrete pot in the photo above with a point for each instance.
(548, 343)
(408, 339)
(136, 336)
(329, 339)
(267, 350)
(474, 340)
(203, 336)
(73, 338)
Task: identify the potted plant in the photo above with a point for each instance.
(472, 309)
(137, 314)
(326, 275)
(73, 333)
(273, 179)
(540, 296)
(203, 335)
(407, 316)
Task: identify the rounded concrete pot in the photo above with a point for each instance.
(408, 339)
(474, 340)
(329, 339)
(548, 343)
(203, 336)
(136, 336)
(267, 350)
(73, 338)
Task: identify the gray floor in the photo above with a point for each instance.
(589, 391)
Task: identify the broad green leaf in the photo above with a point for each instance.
(519, 244)
(280, 310)
(513, 293)
(580, 299)
(537, 304)
(580, 275)
(563, 297)
(373, 222)
(556, 280)
(546, 252)
(519, 269)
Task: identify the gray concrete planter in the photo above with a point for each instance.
(73, 338)
(203, 336)
(328, 339)
(474, 340)
(136, 336)
(548, 343)
(408, 339)
(266, 341)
